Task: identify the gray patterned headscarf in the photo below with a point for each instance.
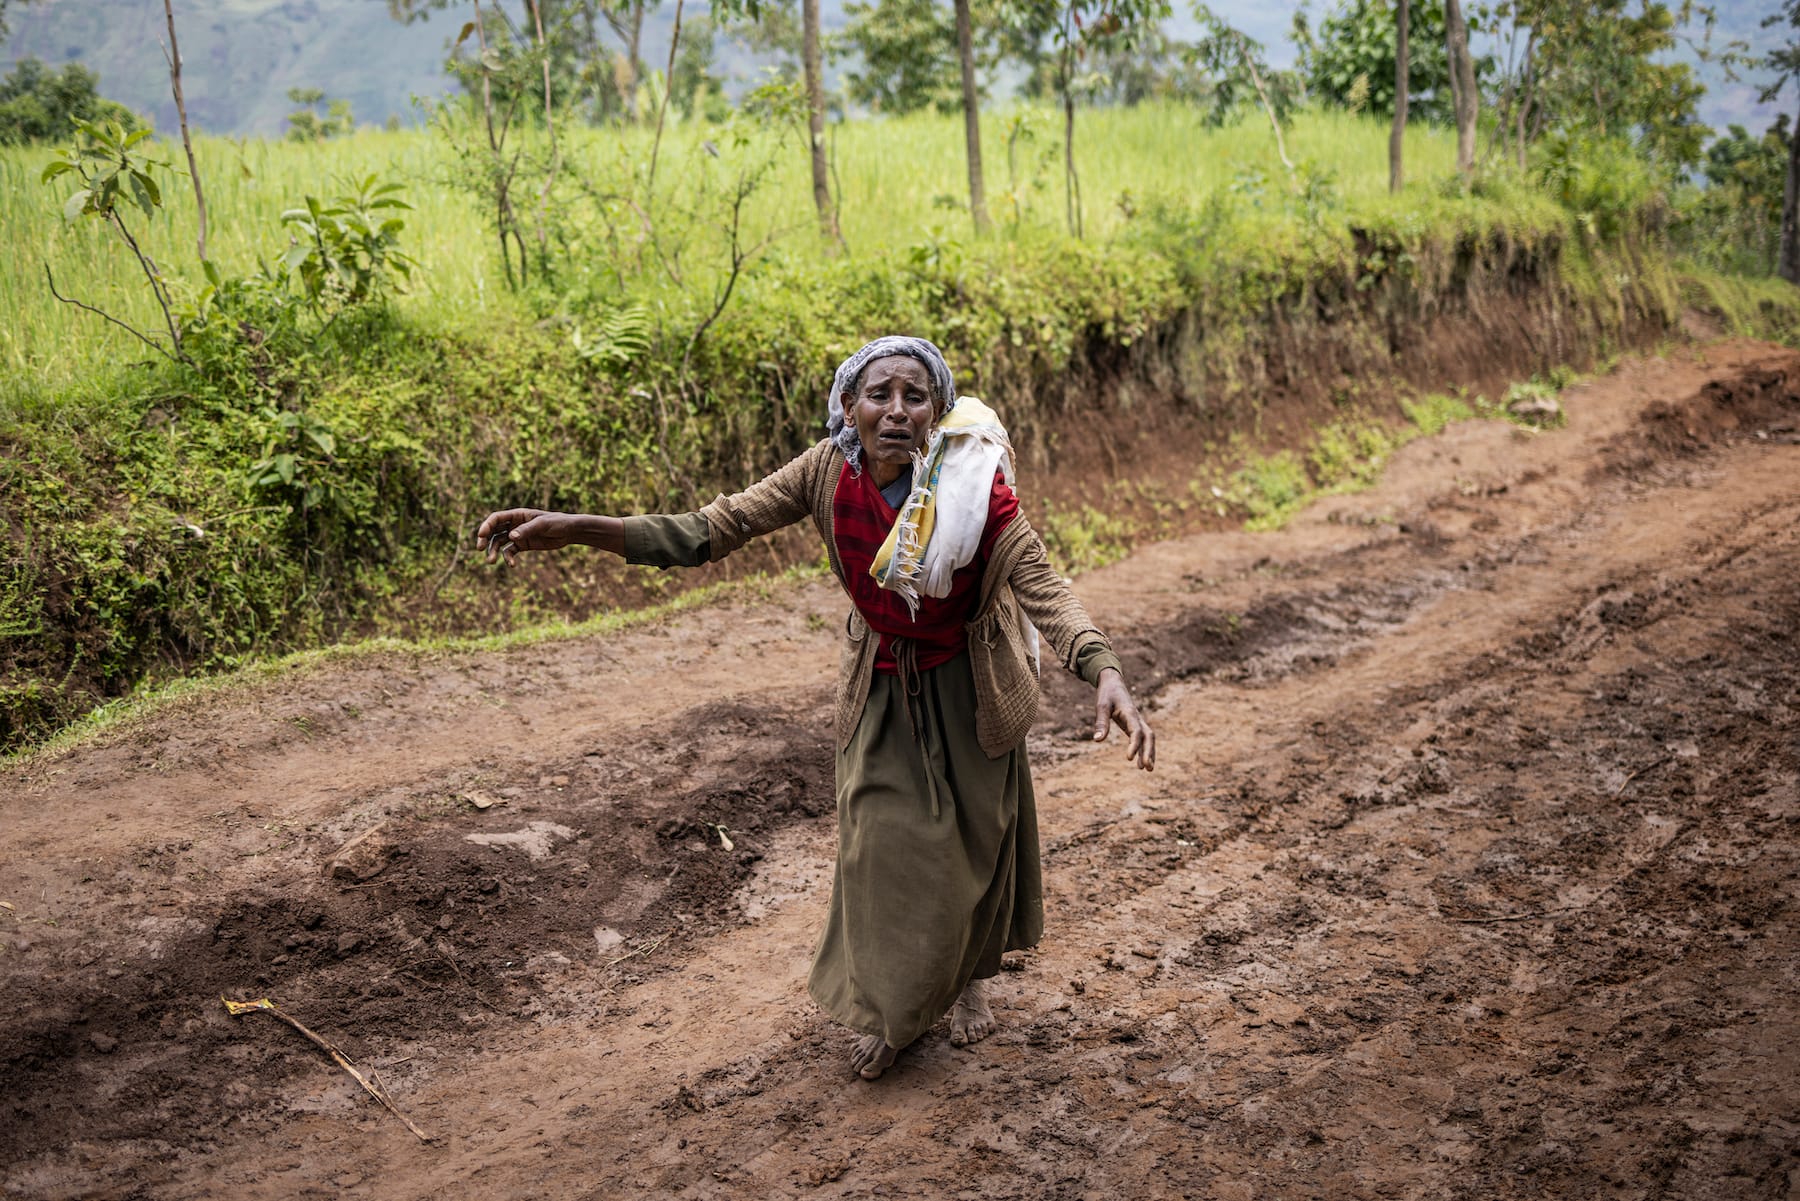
(849, 373)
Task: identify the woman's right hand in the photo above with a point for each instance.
(530, 529)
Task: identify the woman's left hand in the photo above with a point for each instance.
(1113, 706)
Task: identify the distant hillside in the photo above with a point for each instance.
(243, 55)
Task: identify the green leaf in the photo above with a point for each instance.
(133, 139)
(213, 275)
(56, 167)
(323, 440)
(284, 467)
(150, 185)
(77, 204)
(142, 195)
(467, 29)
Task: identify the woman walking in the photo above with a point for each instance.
(937, 865)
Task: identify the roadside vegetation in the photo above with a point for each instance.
(258, 418)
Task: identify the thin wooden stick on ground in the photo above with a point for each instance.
(373, 1088)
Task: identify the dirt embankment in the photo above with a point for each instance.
(1469, 870)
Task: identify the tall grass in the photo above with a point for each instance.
(902, 181)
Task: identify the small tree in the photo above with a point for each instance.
(1236, 67)
(116, 175)
(1596, 66)
(1075, 29)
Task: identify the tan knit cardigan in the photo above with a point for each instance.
(1019, 582)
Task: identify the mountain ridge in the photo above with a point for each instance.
(241, 57)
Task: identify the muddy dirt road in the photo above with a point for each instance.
(1468, 870)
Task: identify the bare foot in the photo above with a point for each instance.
(970, 1018)
(872, 1057)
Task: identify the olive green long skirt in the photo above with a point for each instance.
(937, 862)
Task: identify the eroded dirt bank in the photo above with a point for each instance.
(1469, 870)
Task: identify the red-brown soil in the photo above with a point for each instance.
(1468, 870)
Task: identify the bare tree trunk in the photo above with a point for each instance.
(633, 59)
(965, 53)
(1397, 139)
(1466, 98)
(537, 18)
(1530, 72)
(501, 179)
(1787, 262)
(187, 143)
(1066, 78)
(814, 68)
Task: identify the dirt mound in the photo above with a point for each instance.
(1762, 402)
(1467, 871)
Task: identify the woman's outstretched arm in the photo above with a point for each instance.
(509, 531)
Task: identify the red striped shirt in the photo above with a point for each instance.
(860, 520)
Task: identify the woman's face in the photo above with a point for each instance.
(893, 414)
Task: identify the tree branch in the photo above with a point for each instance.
(662, 110)
(1263, 95)
(130, 329)
(157, 288)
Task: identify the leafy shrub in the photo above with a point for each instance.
(1610, 189)
(346, 252)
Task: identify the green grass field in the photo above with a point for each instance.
(899, 180)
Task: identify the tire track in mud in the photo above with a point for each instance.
(1191, 1059)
